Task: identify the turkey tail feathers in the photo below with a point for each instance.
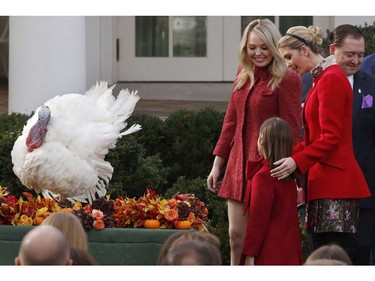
(132, 129)
(128, 101)
(97, 91)
(120, 109)
(104, 170)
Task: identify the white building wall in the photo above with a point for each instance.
(355, 20)
(100, 50)
(56, 55)
(231, 47)
(330, 22)
(47, 57)
(93, 62)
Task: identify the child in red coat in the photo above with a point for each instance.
(273, 233)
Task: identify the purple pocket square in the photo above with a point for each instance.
(367, 101)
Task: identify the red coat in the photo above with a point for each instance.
(327, 152)
(273, 233)
(247, 110)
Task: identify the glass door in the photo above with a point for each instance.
(170, 48)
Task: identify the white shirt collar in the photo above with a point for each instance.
(351, 80)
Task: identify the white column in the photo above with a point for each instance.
(47, 57)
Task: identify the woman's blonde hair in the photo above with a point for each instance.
(298, 36)
(71, 227)
(266, 30)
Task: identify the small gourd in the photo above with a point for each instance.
(152, 224)
(183, 225)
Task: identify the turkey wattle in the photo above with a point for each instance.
(62, 149)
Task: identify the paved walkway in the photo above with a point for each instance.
(160, 108)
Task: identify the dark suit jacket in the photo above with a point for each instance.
(364, 131)
(368, 64)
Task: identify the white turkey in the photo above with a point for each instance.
(61, 151)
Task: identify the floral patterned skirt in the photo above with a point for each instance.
(332, 215)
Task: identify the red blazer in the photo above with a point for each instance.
(273, 233)
(247, 110)
(327, 151)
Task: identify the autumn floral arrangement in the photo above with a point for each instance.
(182, 211)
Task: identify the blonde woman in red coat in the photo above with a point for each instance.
(334, 178)
(273, 233)
(263, 88)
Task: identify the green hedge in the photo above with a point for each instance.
(10, 127)
(169, 156)
(369, 34)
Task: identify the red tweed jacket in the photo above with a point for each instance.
(247, 110)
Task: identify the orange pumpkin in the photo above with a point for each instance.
(38, 220)
(151, 224)
(183, 225)
(46, 214)
(66, 210)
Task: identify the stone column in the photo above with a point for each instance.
(47, 57)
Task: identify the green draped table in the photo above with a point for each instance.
(110, 246)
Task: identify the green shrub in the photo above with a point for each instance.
(152, 135)
(134, 171)
(190, 138)
(369, 34)
(11, 128)
(184, 141)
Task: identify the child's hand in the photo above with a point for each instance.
(249, 260)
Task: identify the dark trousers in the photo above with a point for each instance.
(365, 237)
(345, 240)
(357, 245)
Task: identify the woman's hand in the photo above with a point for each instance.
(285, 167)
(213, 180)
(214, 176)
(249, 260)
